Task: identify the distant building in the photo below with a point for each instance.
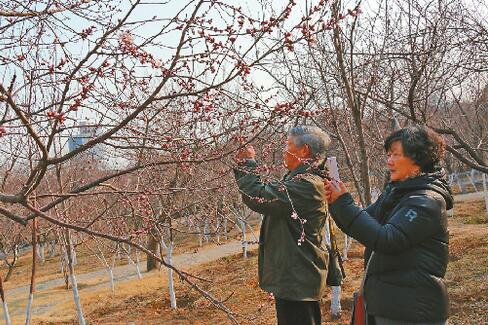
(82, 133)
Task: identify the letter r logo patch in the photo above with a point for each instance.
(411, 214)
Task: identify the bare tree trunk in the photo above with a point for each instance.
(11, 265)
(225, 229)
(33, 274)
(9, 272)
(200, 236)
(74, 283)
(354, 105)
(6, 314)
(364, 155)
(206, 231)
(74, 258)
(111, 270)
(349, 163)
(111, 279)
(335, 301)
(218, 230)
(40, 252)
(64, 268)
(242, 226)
(345, 148)
(51, 252)
(169, 260)
(347, 246)
(153, 246)
(485, 189)
(136, 263)
(169, 255)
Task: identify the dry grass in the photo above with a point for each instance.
(50, 269)
(467, 276)
(87, 262)
(146, 301)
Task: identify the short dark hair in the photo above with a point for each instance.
(422, 144)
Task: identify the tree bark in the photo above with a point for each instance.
(33, 274)
(6, 314)
(355, 107)
(153, 246)
(74, 283)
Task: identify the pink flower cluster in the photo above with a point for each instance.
(353, 13)
(61, 117)
(87, 32)
(295, 216)
(302, 238)
(244, 69)
(283, 107)
(288, 41)
(127, 45)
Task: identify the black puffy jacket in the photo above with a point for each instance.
(407, 230)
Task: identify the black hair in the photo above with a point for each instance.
(423, 145)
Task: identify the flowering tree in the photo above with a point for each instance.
(384, 64)
(168, 99)
(164, 93)
(377, 67)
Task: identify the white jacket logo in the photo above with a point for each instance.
(411, 214)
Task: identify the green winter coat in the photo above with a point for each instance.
(289, 268)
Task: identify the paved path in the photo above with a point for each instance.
(17, 297)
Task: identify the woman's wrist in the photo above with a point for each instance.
(344, 198)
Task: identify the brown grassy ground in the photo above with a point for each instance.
(146, 301)
(88, 262)
(48, 270)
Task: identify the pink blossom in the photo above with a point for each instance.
(127, 38)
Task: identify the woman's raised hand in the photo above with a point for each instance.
(333, 191)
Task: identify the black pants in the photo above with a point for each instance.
(297, 312)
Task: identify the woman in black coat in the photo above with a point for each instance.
(406, 228)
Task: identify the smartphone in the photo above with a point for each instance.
(333, 171)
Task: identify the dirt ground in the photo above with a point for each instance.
(88, 262)
(234, 280)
